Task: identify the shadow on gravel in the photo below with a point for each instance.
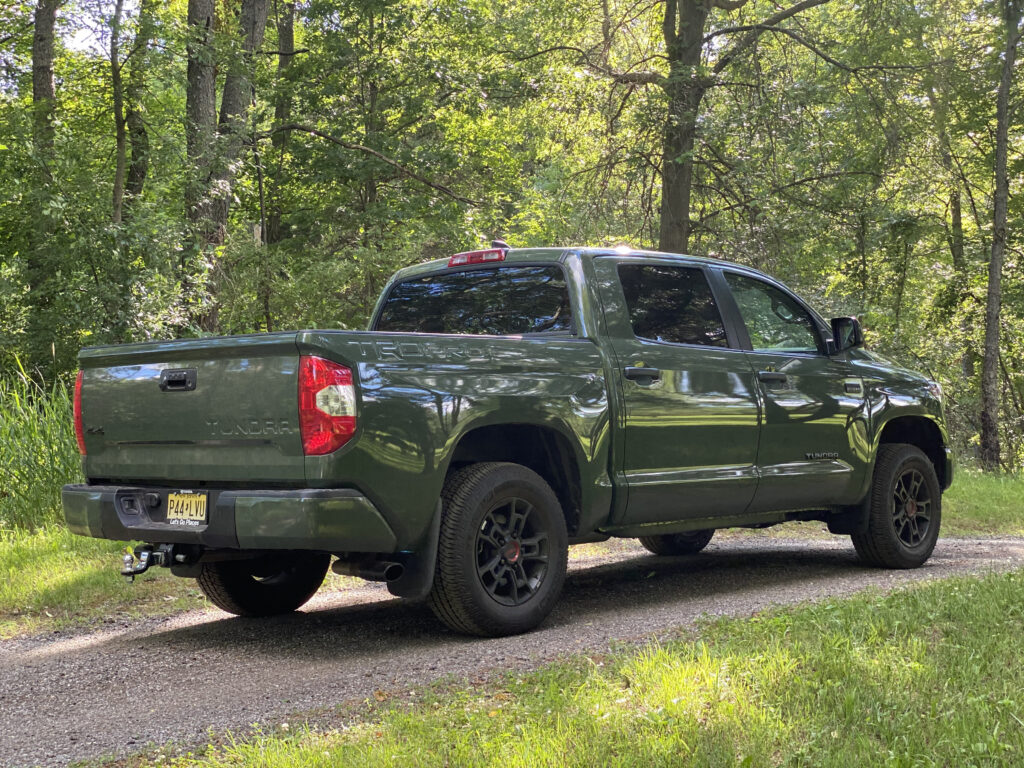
(591, 594)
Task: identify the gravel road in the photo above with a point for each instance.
(81, 695)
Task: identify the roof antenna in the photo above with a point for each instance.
(499, 244)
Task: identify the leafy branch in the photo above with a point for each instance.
(401, 168)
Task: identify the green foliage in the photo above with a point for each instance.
(926, 676)
(38, 453)
(834, 156)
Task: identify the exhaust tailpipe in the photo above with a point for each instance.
(371, 570)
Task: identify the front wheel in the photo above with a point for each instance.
(502, 551)
(905, 509)
(265, 586)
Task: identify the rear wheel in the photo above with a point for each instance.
(265, 586)
(905, 509)
(689, 543)
(502, 551)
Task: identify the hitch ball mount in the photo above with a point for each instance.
(145, 556)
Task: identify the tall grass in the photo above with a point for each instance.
(37, 450)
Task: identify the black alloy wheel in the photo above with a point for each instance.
(911, 507)
(512, 552)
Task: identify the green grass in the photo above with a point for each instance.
(979, 504)
(38, 453)
(928, 676)
(51, 579)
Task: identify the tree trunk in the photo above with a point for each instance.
(685, 89)
(43, 92)
(282, 116)
(117, 87)
(200, 115)
(990, 452)
(38, 272)
(234, 107)
(683, 29)
(138, 136)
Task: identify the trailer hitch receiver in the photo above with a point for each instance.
(143, 558)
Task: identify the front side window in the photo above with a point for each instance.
(672, 304)
(775, 321)
(503, 301)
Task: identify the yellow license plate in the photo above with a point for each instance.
(186, 508)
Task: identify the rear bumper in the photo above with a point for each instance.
(326, 520)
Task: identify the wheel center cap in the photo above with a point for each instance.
(511, 552)
(911, 508)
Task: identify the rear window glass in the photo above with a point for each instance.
(495, 302)
(671, 304)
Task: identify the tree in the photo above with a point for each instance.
(214, 154)
(38, 271)
(120, 133)
(1012, 12)
(692, 70)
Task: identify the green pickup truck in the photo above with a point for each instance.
(504, 404)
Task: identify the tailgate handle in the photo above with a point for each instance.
(178, 380)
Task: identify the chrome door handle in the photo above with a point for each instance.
(640, 374)
(772, 377)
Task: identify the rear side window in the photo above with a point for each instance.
(496, 302)
(672, 304)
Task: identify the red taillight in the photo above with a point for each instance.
(79, 432)
(477, 257)
(327, 405)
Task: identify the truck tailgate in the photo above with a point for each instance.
(195, 410)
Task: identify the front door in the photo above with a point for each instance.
(814, 439)
(690, 416)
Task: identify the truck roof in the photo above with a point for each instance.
(535, 255)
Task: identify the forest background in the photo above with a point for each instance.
(186, 167)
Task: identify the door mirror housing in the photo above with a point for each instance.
(846, 334)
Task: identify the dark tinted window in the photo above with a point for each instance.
(774, 320)
(501, 301)
(672, 304)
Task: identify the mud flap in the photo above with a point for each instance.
(418, 576)
(850, 520)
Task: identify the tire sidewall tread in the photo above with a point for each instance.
(879, 545)
(457, 597)
(676, 544)
(231, 587)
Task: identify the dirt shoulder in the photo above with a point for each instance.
(83, 695)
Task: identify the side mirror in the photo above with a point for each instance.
(846, 334)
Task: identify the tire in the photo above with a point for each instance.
(266, 586)
(905, 509)
(502, 551)
(689, 543)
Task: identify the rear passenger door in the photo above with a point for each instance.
(690, 416)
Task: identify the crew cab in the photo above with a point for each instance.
(502, 405)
